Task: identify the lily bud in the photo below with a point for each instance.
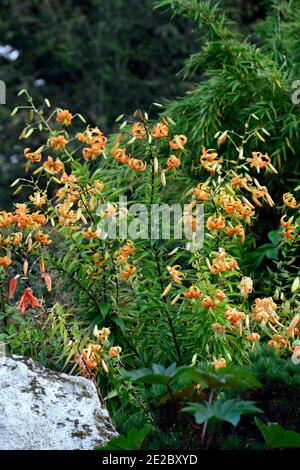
(29, 243)
(12, 287)
(25, 267)
(104, 366)
(48, 281)
(167, 290)
(223, 137)
(42, 266)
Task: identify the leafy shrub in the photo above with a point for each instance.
(156, 300)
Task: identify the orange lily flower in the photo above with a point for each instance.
(176, 275)
(173, 162)
(178, 142)
(161, 129)
(58, 142)
(64, 117)
(289, 200)
(138, 130)
(28, 298)
(137, 165)
(193, 293)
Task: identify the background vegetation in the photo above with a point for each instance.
(223, 72)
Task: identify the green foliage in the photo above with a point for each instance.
(143, 293)
(240, 78)
(229, 410)
(232, 377)
(276, 437)
(280, 380)
(133, 441)
(96, 57)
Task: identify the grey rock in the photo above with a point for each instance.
(42, 410)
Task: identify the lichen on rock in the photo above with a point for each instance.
(43, 409)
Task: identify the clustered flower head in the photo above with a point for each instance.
(223, 262)
(193, 293)
(231, 197)
(209, 160)
(290, 201)
(176, 274)
(246, 286)
(95, 142)
(264, 310)
(96, 355)
(64, 117)
(160, 130)
(122, 255)
(288, 227)
(234, 316)
(219, 363)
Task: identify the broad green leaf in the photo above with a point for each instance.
(276, 437)
(230, 411)
(133, 440)
(105, 308)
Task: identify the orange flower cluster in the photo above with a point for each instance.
(202, 192)
(90, 234)
(215, 223)
(209, 161)
(253, 338)
(68, 217)
(58, 142)
(125, 251)
(288, 227)
(94, 355)
(22, 218)
(122, 255)
(38, 199)
(138, 130)
(289, 200)
(178, 142)
(42, 238)
(173, 162)
(208, 302)
(176, 274)
(160, 130)
(218, 328)
(28, 299)
(257, 191)
(34, 157)
(127, 271)
(264, 310)
(64, 117)
(235, 207)
(237, 230)
(193, 293)
(52, 166)
(277, 342)
(246, 286)
(219, 363)
(136, 164)
(120, 155)
(5, 261)
(234, 315)
(95, 140)
(223, 262)
(258, 160)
